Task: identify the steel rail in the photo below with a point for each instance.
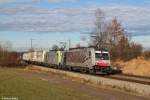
(124, 77)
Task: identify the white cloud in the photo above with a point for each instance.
(58, 1)
(135, 19)
(6, 1)
(24, 2)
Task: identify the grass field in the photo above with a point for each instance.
(15, 85)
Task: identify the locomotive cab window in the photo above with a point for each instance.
(102, 56)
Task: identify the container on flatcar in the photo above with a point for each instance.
(36, 56)
(25, 56)
(28, 56)
(39, 56)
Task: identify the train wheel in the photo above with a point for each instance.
(70, 69)
(83, 70)
(56, 67)
(87, 70)
(59, 66)
(92, 71)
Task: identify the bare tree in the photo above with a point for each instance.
(111, 35)
(120, 46)
(116, 32)
(55, 47)
(99, 36)
(106, 34)
(8, 46)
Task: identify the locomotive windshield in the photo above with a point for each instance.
(102, 56)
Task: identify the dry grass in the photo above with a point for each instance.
(138, 66)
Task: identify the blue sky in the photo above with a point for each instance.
(50, 21)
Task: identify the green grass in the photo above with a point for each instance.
(14, 84)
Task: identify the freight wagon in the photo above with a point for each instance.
(25, 57)
(28, 56)
(37, 57)
(40, 56)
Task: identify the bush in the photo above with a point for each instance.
(146, 55)
(10, 58)
(134, 51)
(126, 51)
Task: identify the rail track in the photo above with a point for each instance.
(131, 78)
(129, 83)
(124, 77)
(127, 77)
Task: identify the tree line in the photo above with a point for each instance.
(112, 35)
(8, 57)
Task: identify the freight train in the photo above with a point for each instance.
(80, 59)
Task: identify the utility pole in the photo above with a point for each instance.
(31, 43)
(31, 50)
(69, 41)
